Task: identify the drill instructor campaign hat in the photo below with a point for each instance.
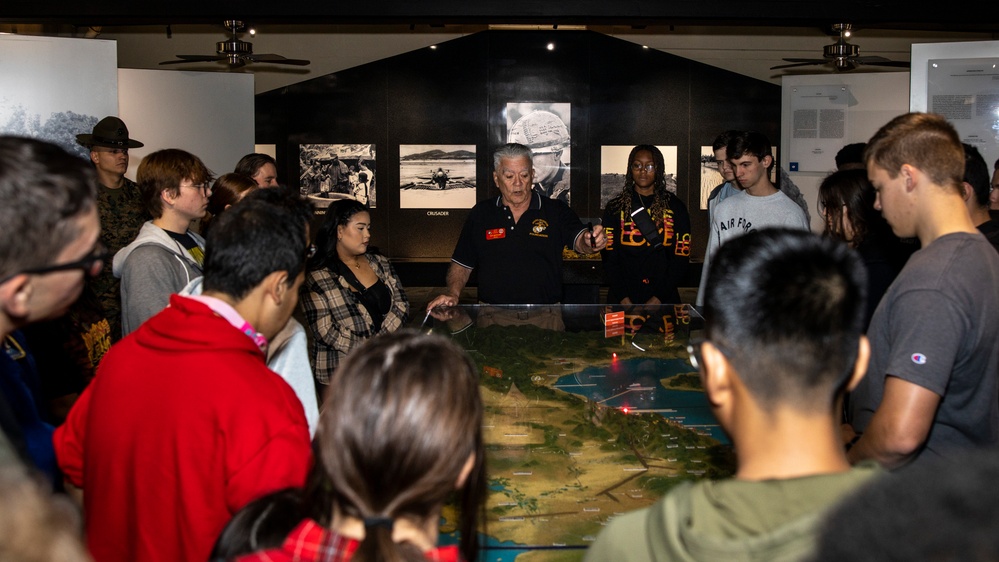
(110, 132)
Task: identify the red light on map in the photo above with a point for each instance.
(626, 409)
(614, 356)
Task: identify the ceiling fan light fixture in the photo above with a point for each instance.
(840, 49)
(843, 56)
(845, 64)
(234, 47)
(236, 52)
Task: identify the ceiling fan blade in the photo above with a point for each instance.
(816, 61)
(194, 58)
(810, 63)
(881, 61)
(870, 59)
(277, 59)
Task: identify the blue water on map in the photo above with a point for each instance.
(628, 383)
(493, 550)
(635, 384)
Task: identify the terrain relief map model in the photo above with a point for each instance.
(599, 416)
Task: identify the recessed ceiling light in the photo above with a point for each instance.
(551, 46)
(433, 47)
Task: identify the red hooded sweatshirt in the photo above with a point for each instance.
(182, 426)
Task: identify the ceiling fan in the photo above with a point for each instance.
(842, 55)
(236, 52)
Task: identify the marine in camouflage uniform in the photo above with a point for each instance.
(97, 315)
(122, 215)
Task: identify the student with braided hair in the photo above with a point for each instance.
(648, 235)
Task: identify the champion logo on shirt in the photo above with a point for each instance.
(918, 358)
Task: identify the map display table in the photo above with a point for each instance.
(590, 411)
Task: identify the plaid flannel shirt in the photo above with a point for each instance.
(337, 319)
(310, 542)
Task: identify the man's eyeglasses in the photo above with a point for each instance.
(91, 264)
(204, 187)
(695, 351)
(637, 167)
(310, 251)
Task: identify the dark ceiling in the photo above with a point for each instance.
(886, 14)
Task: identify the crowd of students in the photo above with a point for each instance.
(846, 368)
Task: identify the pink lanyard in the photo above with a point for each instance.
(224, 310)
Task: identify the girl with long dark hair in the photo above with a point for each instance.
(400, 435)
(846, 203)
(648, 235)
(350, 294)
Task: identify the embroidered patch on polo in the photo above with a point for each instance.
(918, 358)
(538, 228)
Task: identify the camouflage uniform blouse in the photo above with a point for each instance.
(122, 215)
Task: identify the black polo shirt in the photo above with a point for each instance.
(518, 263)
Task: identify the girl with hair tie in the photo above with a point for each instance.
(227, 190)
(401, 433)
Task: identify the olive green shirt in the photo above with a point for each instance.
(730, 520)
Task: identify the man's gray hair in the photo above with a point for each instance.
(43, 189)
(512, 151)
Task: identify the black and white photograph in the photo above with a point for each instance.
(337, 171)
(544, 128)
(56, 88)
(436, 176)
(710, 176)
(614, 165)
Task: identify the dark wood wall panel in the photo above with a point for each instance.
(621, 94)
